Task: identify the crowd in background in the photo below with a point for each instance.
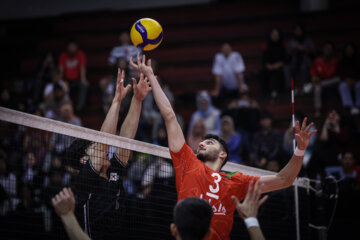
(32, 165)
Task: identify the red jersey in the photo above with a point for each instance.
(72, 64)
(195, 179)
(324, 69)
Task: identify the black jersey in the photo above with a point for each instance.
(100, 207)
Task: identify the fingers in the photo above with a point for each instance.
(149, 62)
(122, 75)
(249, 194)
(262, 200)
(53, 201)
(141, 76)
(298, 138)
(119, 76)
(71, 192)
(309, 127)
(134, 82)
(138, 58)
(143, 59)
(313, 132)
(297, 126)
(258, 190)
(127, 89)
(304, 124)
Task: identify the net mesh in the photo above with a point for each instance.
(113, 199)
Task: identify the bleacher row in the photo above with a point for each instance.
(192, 36)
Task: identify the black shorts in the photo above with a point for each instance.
(100, 207)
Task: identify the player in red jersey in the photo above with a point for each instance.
(199, 176)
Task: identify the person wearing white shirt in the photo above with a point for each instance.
(125, 50)
(228, 69)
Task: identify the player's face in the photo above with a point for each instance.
(208, 150)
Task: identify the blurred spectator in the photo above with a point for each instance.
(323, 74)
(348, 170)
(288, 140)
(228, 69)
(207, 112)
(232, 138)
(6, 100)
(53, 103)
(333, 138)
(196, 134)
(161, 136)
(107, 84)
(267, 142)
(274, 55)
(60, 142)
(44, 75)
(7, 179)
(49, 90)
(125, 50)
(349, 73)
(72, 64)
(31, 173)
(301, 51)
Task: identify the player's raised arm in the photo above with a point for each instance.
(175, 134)
(288, 174)
(131, 123)
(97, 151)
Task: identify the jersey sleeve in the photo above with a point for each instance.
(183, 161)
(241, 183)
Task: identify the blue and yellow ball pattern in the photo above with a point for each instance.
(146, 33)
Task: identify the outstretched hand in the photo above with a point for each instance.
(142, 88)
(250, 206)
(64, 202)
(121, 91)
(303, 134)
(142, 66)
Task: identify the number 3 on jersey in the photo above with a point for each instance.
(213, 190)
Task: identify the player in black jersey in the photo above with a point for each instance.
(98, 188)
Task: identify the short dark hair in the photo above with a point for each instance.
(192, 217)
(223, 144)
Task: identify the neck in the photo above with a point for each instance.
(215, 165)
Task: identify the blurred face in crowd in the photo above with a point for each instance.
(30, 159)
(266, 123)
(198, 128)
(59, 94)
(275, 35)
(66, 112)
(327, 50)
(226, 49)
(125, 38)
(5, 95)
(348, 161)
(227, 124)
(204, 104)
(72, 48)
(273, 166)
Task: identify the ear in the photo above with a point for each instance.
(223, 155)
(173, 230)
(208, 234)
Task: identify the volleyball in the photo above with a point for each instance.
(146, 33)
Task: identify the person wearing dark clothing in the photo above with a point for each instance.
(274, 55)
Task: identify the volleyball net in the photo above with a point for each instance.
(40, 156)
